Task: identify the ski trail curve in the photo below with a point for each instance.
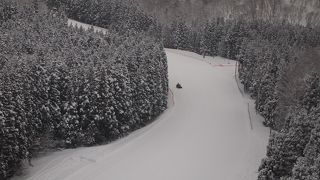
(205, 134)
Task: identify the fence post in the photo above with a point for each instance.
(250, 116)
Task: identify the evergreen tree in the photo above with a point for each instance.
(312, 91)
(181, 36)
(307, 167)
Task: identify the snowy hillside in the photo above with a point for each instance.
(197, 11)
(205, 134)
(85, 90)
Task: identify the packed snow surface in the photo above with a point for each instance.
(205, 134)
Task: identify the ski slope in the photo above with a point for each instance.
(205, 134)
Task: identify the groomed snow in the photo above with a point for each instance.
(204, 135)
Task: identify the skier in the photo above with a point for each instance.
(179, 86)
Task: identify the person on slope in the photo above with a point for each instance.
(179, 86)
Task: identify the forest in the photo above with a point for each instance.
(62, 87)
(305, 12)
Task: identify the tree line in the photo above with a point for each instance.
(65, 87)
(279, 68)
(116, 15)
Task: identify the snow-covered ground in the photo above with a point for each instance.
(206, 134)
(97, 29)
